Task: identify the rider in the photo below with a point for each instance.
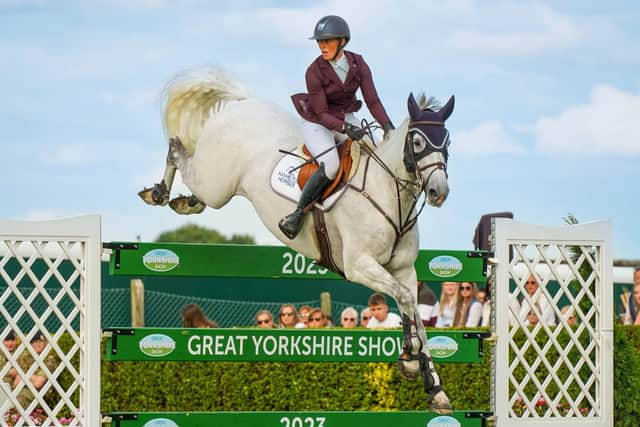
(327, 109)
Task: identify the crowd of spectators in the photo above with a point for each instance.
(461, 304)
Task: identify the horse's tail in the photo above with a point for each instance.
(192, 96)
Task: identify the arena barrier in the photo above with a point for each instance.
(558, 375)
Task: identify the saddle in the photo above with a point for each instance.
(346, 156)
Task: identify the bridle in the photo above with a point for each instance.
(411, 161)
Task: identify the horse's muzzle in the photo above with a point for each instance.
(437, 189)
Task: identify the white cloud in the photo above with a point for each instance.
(523, 29)
(486, 139)
(608, 124)
(88, 154)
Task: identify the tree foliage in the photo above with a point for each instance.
(193, 233)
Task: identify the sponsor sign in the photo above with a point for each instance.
(157, 345)
(160, 260)
(445, 266)
(442, 347)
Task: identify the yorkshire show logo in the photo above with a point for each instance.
(160, 422)
(444, 421)
(445, 266)
(442, 347)
(157, 345)
(160, 260)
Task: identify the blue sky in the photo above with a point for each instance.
(546, 122)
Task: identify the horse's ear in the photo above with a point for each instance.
(446, 111)
(414, 108)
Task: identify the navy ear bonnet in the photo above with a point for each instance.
(430, 124)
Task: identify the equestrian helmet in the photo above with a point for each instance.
(331, 27)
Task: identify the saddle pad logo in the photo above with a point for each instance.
(160, 422)
(157, 345)
(444, 421)
(442, 347)
(445, 266)
(160, 260)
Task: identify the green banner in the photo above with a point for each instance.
(297, 419)
(248, 261)
(284, 345)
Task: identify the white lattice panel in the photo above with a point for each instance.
(50, 288)
(554, 318)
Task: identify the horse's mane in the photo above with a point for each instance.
(428, 102)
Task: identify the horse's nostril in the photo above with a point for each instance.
(433, 194)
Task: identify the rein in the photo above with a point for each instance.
(404, 223)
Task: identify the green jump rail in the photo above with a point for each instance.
(278, 262)
(284, 345)
(298, 419)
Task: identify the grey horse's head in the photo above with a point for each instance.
(426, 148)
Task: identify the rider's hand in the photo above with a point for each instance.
(386, 128)
(354, 132)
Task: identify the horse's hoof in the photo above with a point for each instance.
(409, 369)
(187, 205)
(440, 404)
(158, 195)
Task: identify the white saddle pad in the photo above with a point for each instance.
(285, 183)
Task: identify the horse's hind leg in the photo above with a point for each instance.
(158, 195)
(415, 358)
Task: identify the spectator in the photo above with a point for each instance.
(288, 316)
(569, 314)
(531, 319)
(636, 276)
(264, 319)
(448, 304)
(365, 315)
(469, 309)
(482, 295)
(428, 305)
(316, 319)
(632, 309)
(349, 318)
(193, 317)
(10, 343)
(540, 300)
(39, 377)
(381, 317)
(303, 316)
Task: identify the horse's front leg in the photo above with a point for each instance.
(415, 358)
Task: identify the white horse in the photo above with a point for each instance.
(225, 143)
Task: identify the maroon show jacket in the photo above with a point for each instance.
(329, 99)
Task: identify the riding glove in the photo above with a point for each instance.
(386, 128)
(354, 132)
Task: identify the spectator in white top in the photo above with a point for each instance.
(469, 309)
(428, 305)
(448, 304)
(380, 316)
(482, 295)
(539, 299)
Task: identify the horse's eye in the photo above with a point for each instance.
(419, 144)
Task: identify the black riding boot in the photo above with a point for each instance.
(312, 191)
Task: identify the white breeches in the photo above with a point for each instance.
(318, 139)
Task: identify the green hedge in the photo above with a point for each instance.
(201, 386)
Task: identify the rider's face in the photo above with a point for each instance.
(328, 48)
